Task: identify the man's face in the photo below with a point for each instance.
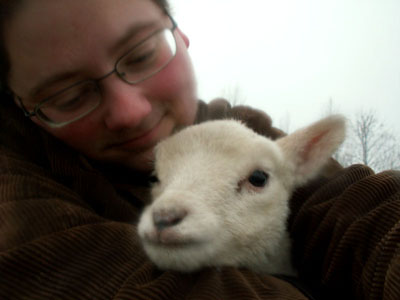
(57, 43)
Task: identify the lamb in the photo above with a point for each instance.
(222, 194)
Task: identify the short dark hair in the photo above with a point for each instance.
(7, 9)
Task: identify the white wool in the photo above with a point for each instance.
(205, 210)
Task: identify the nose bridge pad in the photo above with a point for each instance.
(120, 75)
(107, 75)
(168, 218)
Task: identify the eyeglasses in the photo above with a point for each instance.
(143, 61)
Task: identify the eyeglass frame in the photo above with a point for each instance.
(36, 109)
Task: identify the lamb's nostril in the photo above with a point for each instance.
(167, 218)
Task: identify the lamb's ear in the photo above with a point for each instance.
(308, 149)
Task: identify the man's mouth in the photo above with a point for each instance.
(145, 139)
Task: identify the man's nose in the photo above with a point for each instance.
(125, 105)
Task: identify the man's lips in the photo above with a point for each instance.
(144, 139)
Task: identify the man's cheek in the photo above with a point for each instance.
(77, 136)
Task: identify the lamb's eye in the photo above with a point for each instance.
(153, 179)
(258, 178)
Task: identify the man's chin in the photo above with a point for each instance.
(141, 162)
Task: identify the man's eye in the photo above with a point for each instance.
(69, 104)
(72, 100)
(141, 60)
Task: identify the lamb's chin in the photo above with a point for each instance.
(183, 256)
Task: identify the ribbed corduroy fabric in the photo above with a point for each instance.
(68, 228)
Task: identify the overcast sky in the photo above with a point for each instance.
(290, 57)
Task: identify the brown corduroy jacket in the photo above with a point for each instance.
(68, 228)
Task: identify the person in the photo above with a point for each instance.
(88, 89)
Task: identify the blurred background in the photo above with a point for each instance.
(301, 60)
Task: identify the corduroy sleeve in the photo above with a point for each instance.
(346, 234)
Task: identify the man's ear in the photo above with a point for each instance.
(184, 37)
(308, 149)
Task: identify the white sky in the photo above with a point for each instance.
(289, 57)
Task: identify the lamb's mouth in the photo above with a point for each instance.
(174, 245)
(170, 241)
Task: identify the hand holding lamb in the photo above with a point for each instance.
(222, 194)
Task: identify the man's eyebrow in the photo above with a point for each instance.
(125, 38)
(52, 80)
(132, 32)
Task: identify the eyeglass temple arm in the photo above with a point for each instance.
(174, 24)
(26, 112)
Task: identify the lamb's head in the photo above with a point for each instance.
(222, 194)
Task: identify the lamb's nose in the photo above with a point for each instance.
(167, 218)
